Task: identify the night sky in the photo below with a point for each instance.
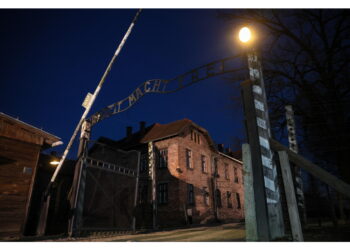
(50, 59)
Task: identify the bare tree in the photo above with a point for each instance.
(306, 63)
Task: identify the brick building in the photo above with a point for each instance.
(196, 181)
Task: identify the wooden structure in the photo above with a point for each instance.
(20, 147)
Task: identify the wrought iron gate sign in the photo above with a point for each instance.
(161, 86)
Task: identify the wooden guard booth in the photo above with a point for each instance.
(20, 147)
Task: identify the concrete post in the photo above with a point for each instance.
(251, 230)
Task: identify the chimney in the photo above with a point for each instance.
(128, 131)
(228, 150)
(221, 147)
(142, 127)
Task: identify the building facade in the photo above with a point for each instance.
(195, 180)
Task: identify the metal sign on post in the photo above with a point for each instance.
(87, 100)
(264, 170)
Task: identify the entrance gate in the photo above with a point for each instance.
(94, 173)
(107, 195)
(99, 202)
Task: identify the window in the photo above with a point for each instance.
(238, 201)
(235, 175)
(218, 198)
(190, 194)
(228, 197)
(206, 196)
(216, 171)
(204, 164)
(163, 158)
(226, 172)
(143, 163)
(189, 158)
(163, 193)
(195, 137)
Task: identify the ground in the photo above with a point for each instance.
(209, 233)
(217, 233)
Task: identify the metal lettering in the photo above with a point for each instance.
(212, 69)
(119, 104)
(209, 69)
(180, 80)
(156, 86)
(164, 85)
(222, 66)
(132, 99)
(138, 93)
(194, 75)
(146, 89)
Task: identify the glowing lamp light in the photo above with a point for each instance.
(54, 163)
(245, 35)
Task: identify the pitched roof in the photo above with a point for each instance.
(160, 131)
(48, 138)
(155, 132)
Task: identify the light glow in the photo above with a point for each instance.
(55, 163)
(245, 35)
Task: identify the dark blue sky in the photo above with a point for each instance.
(50, 59)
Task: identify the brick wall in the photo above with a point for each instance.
(178, 176)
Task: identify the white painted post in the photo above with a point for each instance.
(265, 158)
(152, 174)
(293, 146)
(290, 197)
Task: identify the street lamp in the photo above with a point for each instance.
(54, 162)
(245, 35)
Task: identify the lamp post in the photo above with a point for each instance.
(267, 211)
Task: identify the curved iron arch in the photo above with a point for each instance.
(162, 86)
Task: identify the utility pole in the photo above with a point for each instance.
(266, 190)
(293, 146)
(261, 222)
